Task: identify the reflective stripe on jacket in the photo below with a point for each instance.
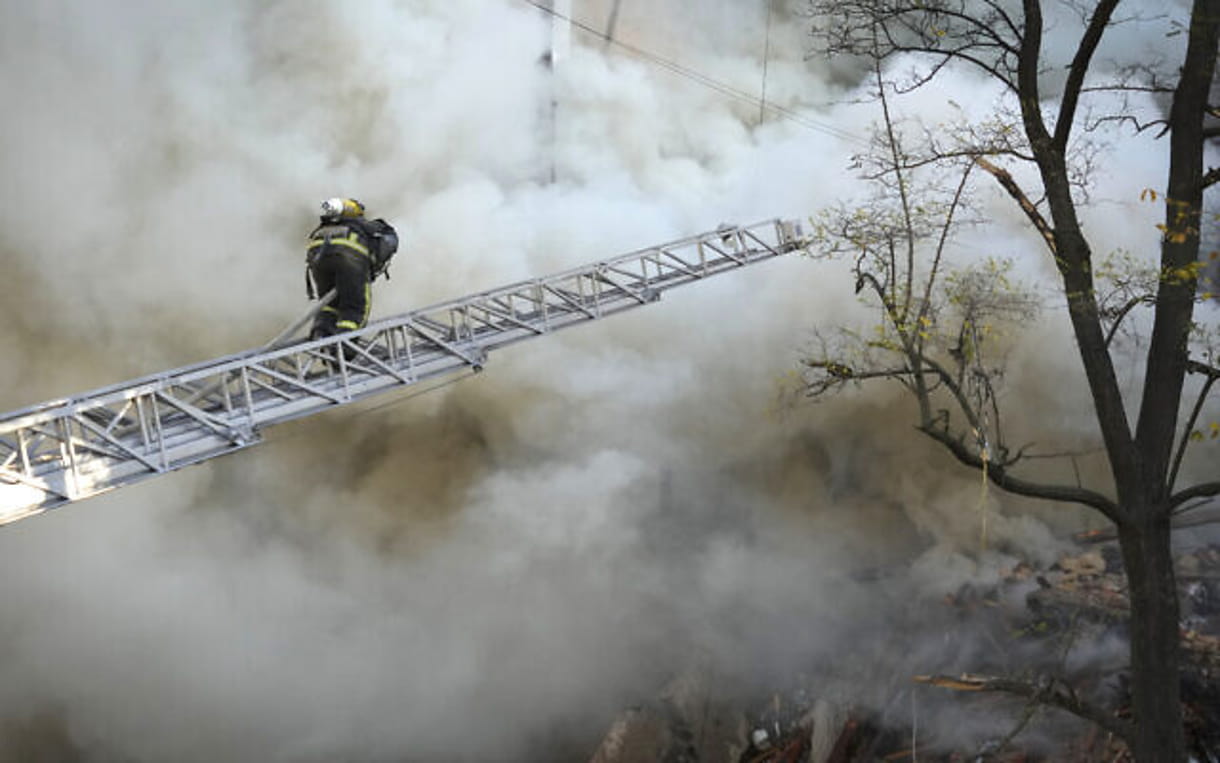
(339, 235)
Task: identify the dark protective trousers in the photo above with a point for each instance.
(349, 274)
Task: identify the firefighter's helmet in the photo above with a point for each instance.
(341, 208)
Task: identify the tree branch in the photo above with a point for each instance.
(839, 372)
(959, 54)
(1005, 179)
(866, 277)
(998, 475)
(1048, 690)
(1196, 367)
(944, 237)
(901, 180)
(939, 155)
(1125, 88)
(1080, 66)
(1212, 176)
(1130, 119)
(999, 10)
(1027, 78)
(955, 389)
(1201, 490)
(1192, 366)
(1146, 299)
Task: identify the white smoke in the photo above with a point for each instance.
(491, 570)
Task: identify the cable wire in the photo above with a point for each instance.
(708, 82)
(762, 99)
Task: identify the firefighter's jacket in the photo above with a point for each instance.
(373, 240)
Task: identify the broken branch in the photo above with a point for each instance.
(1005, 179)
(1048, 690)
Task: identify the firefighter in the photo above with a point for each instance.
(346, 252)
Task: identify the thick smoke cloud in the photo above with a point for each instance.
(491, 570)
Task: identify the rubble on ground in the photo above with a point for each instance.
(1077, 605)
(686, 723)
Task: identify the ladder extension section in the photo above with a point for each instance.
(64, 450)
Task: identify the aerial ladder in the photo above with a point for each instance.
(65, 450)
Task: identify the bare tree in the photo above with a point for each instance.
(941, 330)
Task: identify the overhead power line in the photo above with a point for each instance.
(762, 99)
(692, 74)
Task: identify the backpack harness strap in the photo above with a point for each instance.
(331, 235)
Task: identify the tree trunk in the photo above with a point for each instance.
(1144, 529)
(1155, 638)
(1176, 292)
